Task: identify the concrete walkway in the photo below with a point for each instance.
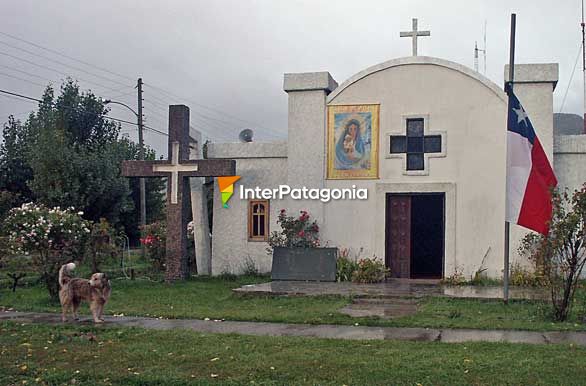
(316, 331)
(391, 288)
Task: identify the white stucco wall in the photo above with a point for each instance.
(472, 113)
(570, 161)
(466, 108)
(258, 164)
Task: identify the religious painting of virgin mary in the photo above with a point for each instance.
(353, 141)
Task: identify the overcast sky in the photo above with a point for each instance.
(226, 59)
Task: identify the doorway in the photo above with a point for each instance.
(415, 235)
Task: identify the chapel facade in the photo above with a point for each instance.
(425, 136)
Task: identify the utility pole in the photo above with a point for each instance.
(141, 157)
(584, 64)
(509, 90)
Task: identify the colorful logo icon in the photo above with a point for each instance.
(226, 185)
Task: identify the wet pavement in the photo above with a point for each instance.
(392, 288)
(317, 331)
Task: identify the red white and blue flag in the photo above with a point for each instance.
(530, 176)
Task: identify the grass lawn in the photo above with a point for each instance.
(56, 355)
(212, 298)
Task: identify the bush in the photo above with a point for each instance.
(370, 271)
(154, 240)
(345, 266)
(102, 244)
(249, 267)
(456, 278)
(524, 277)
(296, 232)
(52, 237)
(562, 251)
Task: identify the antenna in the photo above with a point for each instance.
(483, 50)
(484, 46)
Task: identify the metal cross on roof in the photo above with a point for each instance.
(414, 34)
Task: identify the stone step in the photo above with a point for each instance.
(385, 301)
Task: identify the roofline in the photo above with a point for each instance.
(425, 60)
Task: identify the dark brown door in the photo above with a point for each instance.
(398, 235)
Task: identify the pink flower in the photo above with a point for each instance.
(301, 233)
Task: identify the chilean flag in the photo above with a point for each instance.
(530, 176)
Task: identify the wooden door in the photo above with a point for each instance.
(398, 235)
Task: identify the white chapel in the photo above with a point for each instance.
(425, 136)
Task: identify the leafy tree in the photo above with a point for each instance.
(155, 194)
(15, 173)
(68, 153)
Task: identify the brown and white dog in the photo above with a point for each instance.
(95, 291)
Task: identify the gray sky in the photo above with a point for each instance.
(230, 56)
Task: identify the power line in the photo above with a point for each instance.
(13, 94)
(60, 63)
(55, 52)
(224, 114)
(66, 56)
(22, 79)
(571, 78)
(57, 71)
(26, 73)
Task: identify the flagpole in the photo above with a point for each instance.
(509, 89)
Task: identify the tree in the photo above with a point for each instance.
(155, 194)
(15, 173)
(562, 252)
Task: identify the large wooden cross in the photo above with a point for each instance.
(177, 169)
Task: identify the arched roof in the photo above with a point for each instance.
(421, 60)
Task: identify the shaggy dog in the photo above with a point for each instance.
(96, 291)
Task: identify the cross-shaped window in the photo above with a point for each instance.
(415, 144)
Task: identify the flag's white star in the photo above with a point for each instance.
(521, 114)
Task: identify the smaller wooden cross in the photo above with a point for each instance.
(414, 34)
(178, 168)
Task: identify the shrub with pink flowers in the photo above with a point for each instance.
(296, 232)
(51, 237)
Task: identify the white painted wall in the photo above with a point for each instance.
(570, 161)
(467, 108)
(472, 113)
(259, 164)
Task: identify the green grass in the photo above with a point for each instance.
(53, 355)
(213, 298)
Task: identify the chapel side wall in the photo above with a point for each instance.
(570, 161)
(472, 174)
(231, 250)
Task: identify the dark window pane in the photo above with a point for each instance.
(414, 144)
(415, 127)
(255, 220)
(261, 220)
(433, 144)
(398, 144)
(415, 161)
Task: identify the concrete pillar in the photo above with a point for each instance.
(534, 86)
(199, 209)
(307, 141)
